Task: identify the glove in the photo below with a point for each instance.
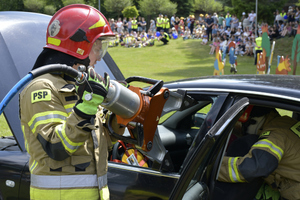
(91, 93)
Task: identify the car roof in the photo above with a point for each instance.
(22, 38)
(281, 86)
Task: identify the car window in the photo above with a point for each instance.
(165, 117)
(190, 118)
(199, 117)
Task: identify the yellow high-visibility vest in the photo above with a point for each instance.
(134, 24)
(258, 43)
(166, 23)
(159, 20)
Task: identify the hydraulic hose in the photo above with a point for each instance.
(53, 68)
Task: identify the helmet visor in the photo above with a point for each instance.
(100, 46)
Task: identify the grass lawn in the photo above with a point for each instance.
(178, 60)
(184, 59)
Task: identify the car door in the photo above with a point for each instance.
(198, 175)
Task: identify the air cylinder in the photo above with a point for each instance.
(121, 100)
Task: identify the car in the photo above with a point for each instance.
(192, 136)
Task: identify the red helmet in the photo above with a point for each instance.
(74, 28)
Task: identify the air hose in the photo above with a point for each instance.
(53, 68)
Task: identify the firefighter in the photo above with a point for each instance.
(64, 130)
(273, 157)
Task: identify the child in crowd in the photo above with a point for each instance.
(128, 41)
(238, 33)
(198, 33)
(138, 42)
(204, 40)
(223, 45)
(249, 47)
(221, 30)
(227, 32)
(187, 34)
(284, 32)
(240, 49)
(214, 45)
(215, 30)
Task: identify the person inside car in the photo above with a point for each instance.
(63, 129)
(273, 157)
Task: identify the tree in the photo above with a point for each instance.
(225, 3)
(57, 4)
(116, 6)
(130, 11)
(184, 8)
(169, 8)
(155, 7)
(6, 5)
(35, 6)
(136, 3)
(265, 13)
(208, 6)
(49, 9)
(69, 2)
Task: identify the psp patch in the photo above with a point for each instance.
(40, 95)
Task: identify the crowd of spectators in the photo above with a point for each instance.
(285, 23)
(134, 32)
(242, 31)
(222, 30)
(213, 29)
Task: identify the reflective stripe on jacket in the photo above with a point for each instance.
(166, 35)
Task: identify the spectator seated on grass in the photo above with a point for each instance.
(240, 48)
(138, 42)
(294, 29)
(214, 45)
(273, 32)
(204, 40)
(187, 34)
(129, 41)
